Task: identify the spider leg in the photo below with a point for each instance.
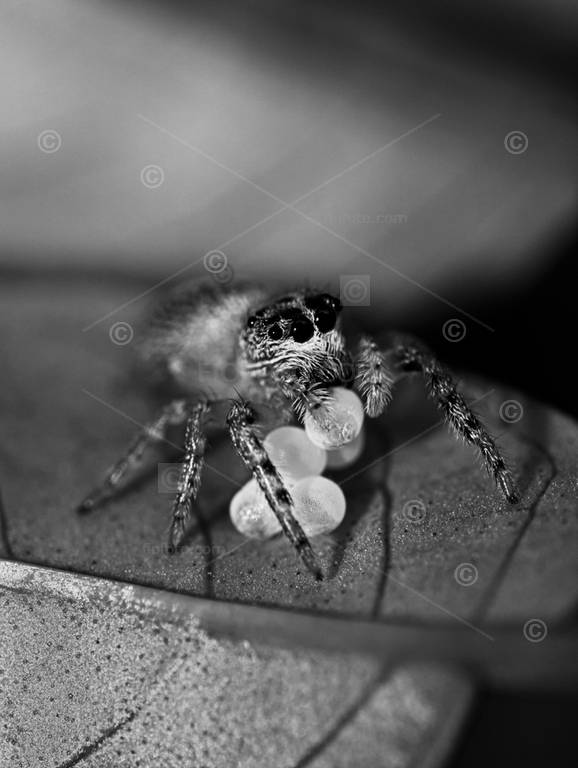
(303, 397)
(407, 355)
(154, 431)
(250, 448)
(190, 478)
(374, 377)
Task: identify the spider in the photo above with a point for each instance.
(285, 352)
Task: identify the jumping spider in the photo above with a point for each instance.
(285, 352)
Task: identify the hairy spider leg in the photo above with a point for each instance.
(374, 377)
(190, 477)
(302, 397)
(406, 355)
(153, 432)
(249, 446)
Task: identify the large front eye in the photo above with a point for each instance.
(325, 320)
(302, 330)
(331, 301)
(322, 301)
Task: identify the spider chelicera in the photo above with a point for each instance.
(239, 343)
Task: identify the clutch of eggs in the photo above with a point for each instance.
(332, 438)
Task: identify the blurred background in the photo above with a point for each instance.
(430, 150)
(427, 150)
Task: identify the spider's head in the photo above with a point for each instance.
(298, 332)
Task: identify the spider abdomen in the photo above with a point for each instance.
(192, 340)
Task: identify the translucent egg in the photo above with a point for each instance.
(293, 453)
(319, 505)
(250, 513)
(346, 455)
(337, 422)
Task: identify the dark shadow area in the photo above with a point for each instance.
(360, 483)
(521, 729)
(534, 322)
(531, 348)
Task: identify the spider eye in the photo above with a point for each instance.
(322, 301)
(336, 304)
(302, 330)
(275, 332)
(325, 320)
(251, 321)
(331, 301)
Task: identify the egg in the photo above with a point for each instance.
(336, 422)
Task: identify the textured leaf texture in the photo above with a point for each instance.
(426, 539)
(124, 682)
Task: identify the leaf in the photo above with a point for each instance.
(123, 678)
(58, 440)
(426, 538)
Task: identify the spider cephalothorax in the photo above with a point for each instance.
(295, 344)
(242, 342)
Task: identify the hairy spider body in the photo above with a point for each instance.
(213, 343)
(242, 344)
